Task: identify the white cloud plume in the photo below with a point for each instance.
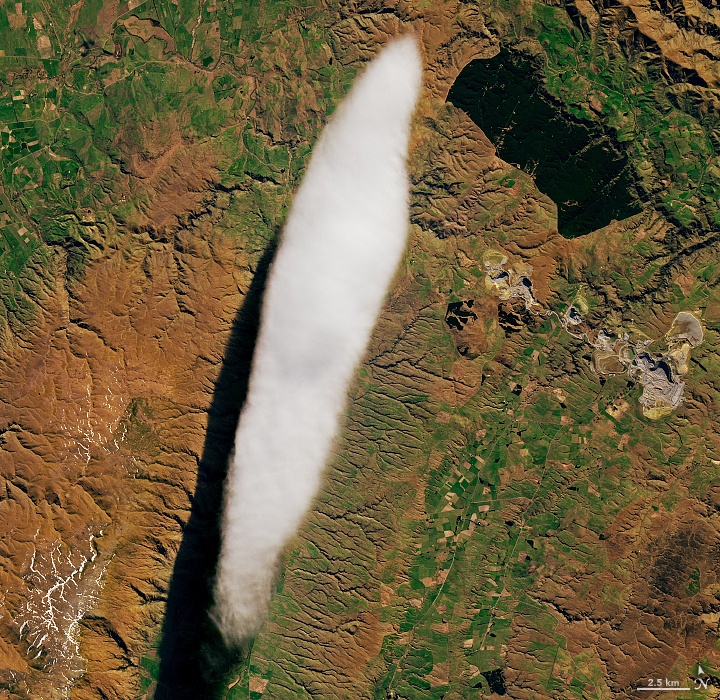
(344, 237)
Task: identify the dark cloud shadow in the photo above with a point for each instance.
(193, 658)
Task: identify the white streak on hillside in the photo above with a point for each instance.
(344, 237)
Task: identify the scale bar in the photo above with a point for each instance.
(675, 689)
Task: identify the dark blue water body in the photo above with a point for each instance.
(574, 162)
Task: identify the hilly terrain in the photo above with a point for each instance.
(525, 498)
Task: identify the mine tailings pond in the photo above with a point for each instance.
(572, 161)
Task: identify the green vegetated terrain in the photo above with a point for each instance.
(552, 529)
(94, 99)
(604, 68)
(499, 518)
